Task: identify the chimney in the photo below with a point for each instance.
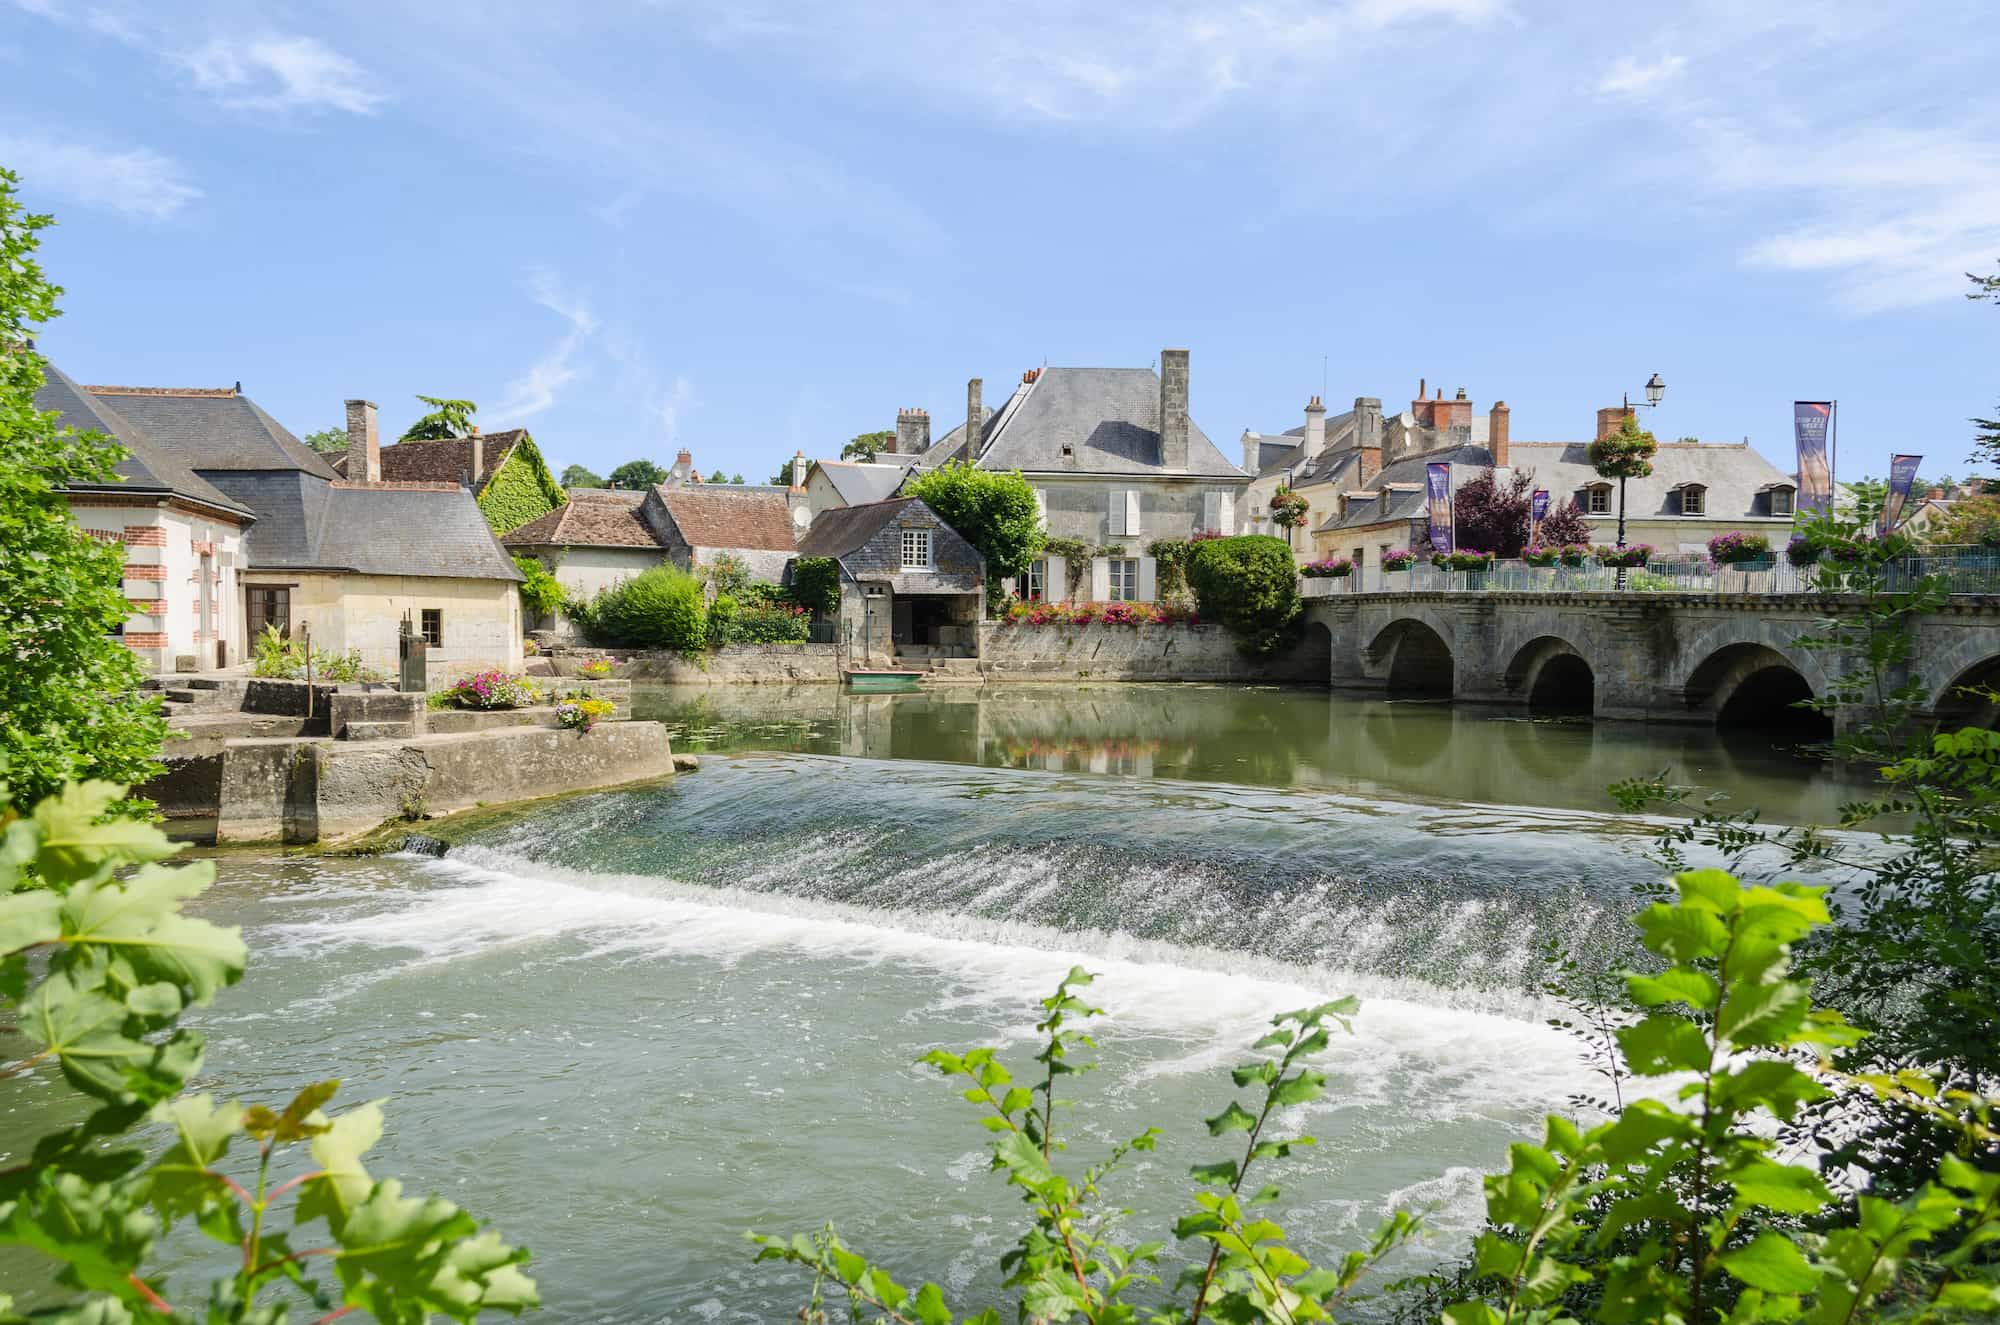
(975, 416)
(1251, 448)
(478, 460)
(1174, 409)
(364, 439)
(1315, 428)
(1496, 433)
(913, 431)
(798, 471)
(1368, 437)
(1611, 420)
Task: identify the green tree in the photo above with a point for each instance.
(447, 418)
(735, 478)
(98, 962)
(1971, 520)
(1625, 454)
(70, 703)
(327, 439)
(541, 592)
(634, 474)
(576, 476)
(1986, 437)
(1251, 585)
(717, 477)
(783, 478)
(995, 512)
(867, 446)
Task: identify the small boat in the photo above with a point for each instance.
(878, 681)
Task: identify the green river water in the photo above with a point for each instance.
(627, 1027)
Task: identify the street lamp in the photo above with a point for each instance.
(1655, 389)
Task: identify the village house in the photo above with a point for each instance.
(911, 588)
(504, 471)
(835, 483)
(1697, 490)
(591, 542)
(1115, 461)
(289, 543)
(696, 523)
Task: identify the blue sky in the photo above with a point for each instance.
(763, 225)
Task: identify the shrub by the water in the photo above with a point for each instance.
(816, 584)
(1251, 585)
(659, 608)
(721, 620)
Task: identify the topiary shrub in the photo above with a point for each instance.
(1250, 584)
(660, 608)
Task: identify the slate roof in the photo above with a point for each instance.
(845, 529)
(445, 460)
(859, 483)
(147, 467)
(730, 515)
(1110, 416)
(308, 523)
(211, 429)
(1277, 452)
(593, 517)
(1732, 473)
(1467, 462)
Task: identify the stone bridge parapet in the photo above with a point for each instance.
(1696, 658)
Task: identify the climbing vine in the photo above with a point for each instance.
(522, 489)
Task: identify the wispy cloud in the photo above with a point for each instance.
(1631, 77)
(135, 181)
(537, 388)
(666, 407)
(280, 73)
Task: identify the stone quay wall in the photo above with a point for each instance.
(1100, 652)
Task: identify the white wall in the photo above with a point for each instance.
(164, 570)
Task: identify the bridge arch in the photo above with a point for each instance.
(1751, 676)
(1414, 654)
(1969, 664)
(1552, 675)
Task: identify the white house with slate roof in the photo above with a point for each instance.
(347, 559)
(1116, 463)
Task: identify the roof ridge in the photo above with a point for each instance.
(212, 392)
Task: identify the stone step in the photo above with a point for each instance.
(379, 731)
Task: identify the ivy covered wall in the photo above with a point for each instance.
(522, 489)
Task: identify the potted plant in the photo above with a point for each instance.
(1399, 559)
(1575, 555)
(1472, 561)
(1541, 557)
(1802, 551)
(1624, 558)
(1736, 549)
(1328, 568)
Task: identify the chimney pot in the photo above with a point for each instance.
(1174, 426)
(364, 439)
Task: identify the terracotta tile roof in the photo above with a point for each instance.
(711, 515)
(594, 517)
(446, 460)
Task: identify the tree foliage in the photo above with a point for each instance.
(866, 446)
(98, 962)
(663, 607)
(816, 585)
(1565, 525)
(1627, 453)
(447, 418)
(576, 476)
(541, 592)
(522, 489)
(1250, 584)
(637, 474)
(326, 439)
(995, 512)
(70, 703)
(1973, 520)
(1491, 516)
(1986, 434)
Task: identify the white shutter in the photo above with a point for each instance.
(1055, 581)
(1100, 579)
(1211, 510)
(1042, 507)
(1131, 511)
(1228, 513)
(1115, 508)
(1149, 588)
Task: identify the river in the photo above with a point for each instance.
(627, 1027)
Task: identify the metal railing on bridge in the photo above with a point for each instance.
(1964, 570)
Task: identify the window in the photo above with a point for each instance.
(1781, 501)
(433, 618)
(916, 549)
(1600, 501)
(1694, 499)
(269, 607)
(1124, 579)
(1035, 580)
(1360, 556)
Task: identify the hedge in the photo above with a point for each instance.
(1251, 585)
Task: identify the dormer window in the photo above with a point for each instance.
(1694, 499)
(1597, 499)
(1780, 499)
(1069, 452)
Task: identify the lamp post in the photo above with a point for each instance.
(1655, 389)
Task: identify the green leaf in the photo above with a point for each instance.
(343, 1184)
(85, 1029)
(1676, 984)
(139, 921)
(73, 844)
(1300, 1088)
(1773, 1263)
(1760, 1015)
(928, 1306)
(203, 1129)
(1221, 1173)
(28, 918)
(1664, 1043)
(1788, 1188)
(1682, 933)
(1235, 1118)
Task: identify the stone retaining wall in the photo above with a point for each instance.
(1099, 652)
(734, 664)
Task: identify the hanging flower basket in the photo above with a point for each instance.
(1400, 559)
(1330, 568)
(1288, 509)
(1734, 549)
(1542, 556)
(1471, 562)
(1626, 557)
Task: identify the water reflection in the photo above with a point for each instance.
(1263, 736)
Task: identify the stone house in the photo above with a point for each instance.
(504, 471)
(911, 586)
(592, 541)
(694, 523)
(835, 483)
(1696, 491)
(1116, 463)
(346, 559)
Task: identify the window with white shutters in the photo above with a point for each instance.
(1211, 510)
(1228, 525)
(1132, 511)
(1115, 508)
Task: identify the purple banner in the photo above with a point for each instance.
(1438, 480)
(1902, 477)
(1812, 424)
(1538, 511)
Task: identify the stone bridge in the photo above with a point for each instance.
(1731, 661)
